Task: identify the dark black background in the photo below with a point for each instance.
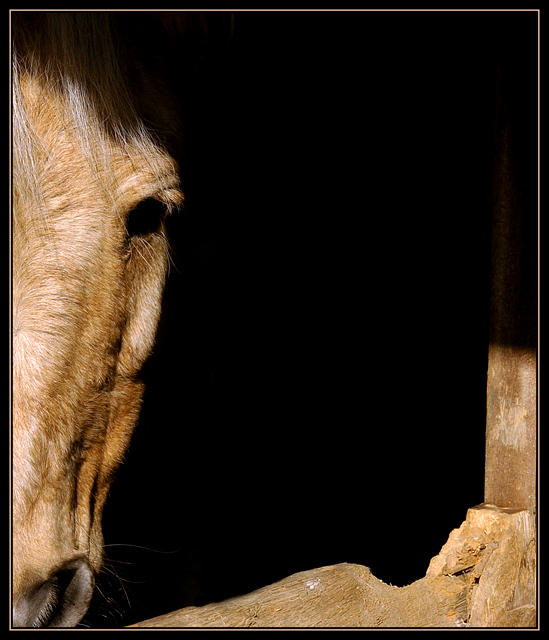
(317, 394)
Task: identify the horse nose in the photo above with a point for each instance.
(60, 601)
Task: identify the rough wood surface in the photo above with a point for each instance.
(484, 576)
(494, 553)
(510, 469)
(343, 595)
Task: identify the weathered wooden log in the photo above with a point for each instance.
(484, 576)
(343, 595)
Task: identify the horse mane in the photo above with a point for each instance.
(104, 59)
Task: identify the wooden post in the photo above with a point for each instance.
(510, 470)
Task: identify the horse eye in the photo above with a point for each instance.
(145, 218)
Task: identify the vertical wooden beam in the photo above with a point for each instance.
(510, 470)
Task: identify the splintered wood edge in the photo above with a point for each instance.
(494, 553)
(484, 576)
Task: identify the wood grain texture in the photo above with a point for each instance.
(484, 576)
(494, 553)
(510, 468)
(343, 595)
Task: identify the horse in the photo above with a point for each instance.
(97, 136)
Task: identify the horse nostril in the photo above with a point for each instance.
(60, 601)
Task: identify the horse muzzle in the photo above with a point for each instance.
(60, 601)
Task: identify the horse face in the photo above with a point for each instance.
(89, 263)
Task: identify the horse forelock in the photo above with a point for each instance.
(78, 53)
